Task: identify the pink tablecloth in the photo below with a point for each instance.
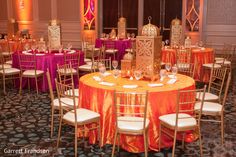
(121, 45)
(49, 61)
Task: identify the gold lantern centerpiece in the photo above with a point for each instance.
(175, 33)
(148, 50)
(121, 28)
(150, 29)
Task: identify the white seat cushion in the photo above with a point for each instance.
(185, 120)
(86, 67)
(128, 50)
(111, 51)
(7, 53)
(10, 71)
(32, 72)
(219, 58)
(87, 60)
(208, 96)
(83, 115)
(9, 62)
(209, 107)
(223, 62)
(210, 65)
(5, 66)
(70, 92)
(131, 123)
(67, 71)
(66, 102)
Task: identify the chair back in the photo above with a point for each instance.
(189, 70)
(226, 89)
(73, 59)
(131, 104)
(66, 91)
(186, 99)
(50, 85)
(2, 61)
(27, 61)
(106, 62)
(183, 56)
(109, 44)
(216, 82)
(65, 74)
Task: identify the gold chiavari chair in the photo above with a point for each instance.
(28, 69)
(183, 58)
(55, 102)
(184, 119)
(79, 118)
(65, 75)
(188, 70)
(7, 73)
(132, 48)
(131, 116)
(216, 84)
(110, 48)
(215, 110)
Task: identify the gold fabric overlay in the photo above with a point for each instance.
(161, 100)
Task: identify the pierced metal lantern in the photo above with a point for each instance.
(150, 29)
(176, 21)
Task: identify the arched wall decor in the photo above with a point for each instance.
(89, 14)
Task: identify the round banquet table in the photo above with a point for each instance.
(44, 61)
(161, 100)
(120, 45)
(200, 55)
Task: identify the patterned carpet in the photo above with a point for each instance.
(25, 128)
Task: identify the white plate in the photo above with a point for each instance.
(39, 54)
(171, 76)
(155, 84)
(172, 81)
(130, 86)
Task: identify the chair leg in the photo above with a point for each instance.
(4, 84)
(222, 128)
(36, 82)
(76, 142)
(118, 144)
(183, 140)
(59, 132)
(20, 84)
(28, 84)
(114, 144)
(200, 141)
(99, 134)
(145, 143)
(52, 121)
(159, 145)
(173, 149)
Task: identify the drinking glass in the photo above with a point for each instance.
(132, 35)
(33, 47)
(114, 64)
(168, 66)
(27, 47)
(116, 73)
(69, 46)
(60, 48)
(137, 74)
(167, 42)
(174, 70)
(162, 74)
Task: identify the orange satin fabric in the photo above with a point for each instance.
(201, 56)
(161, 100)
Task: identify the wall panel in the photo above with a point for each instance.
(44, 9)
(3, 10)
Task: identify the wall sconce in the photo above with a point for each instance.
(22, 4)
(89, 14)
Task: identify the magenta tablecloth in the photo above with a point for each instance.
(49, 61)
(120, 45)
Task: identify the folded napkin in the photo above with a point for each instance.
(106, 83)
(171, 76)
(58, 54)
(39, 54)
(26, 53)
(172, 81)
(97, 78)
(130, 86)
(155, 84)
(106, 74)
(71, 51)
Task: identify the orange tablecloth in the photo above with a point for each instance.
(201, 56)
(161, 100)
